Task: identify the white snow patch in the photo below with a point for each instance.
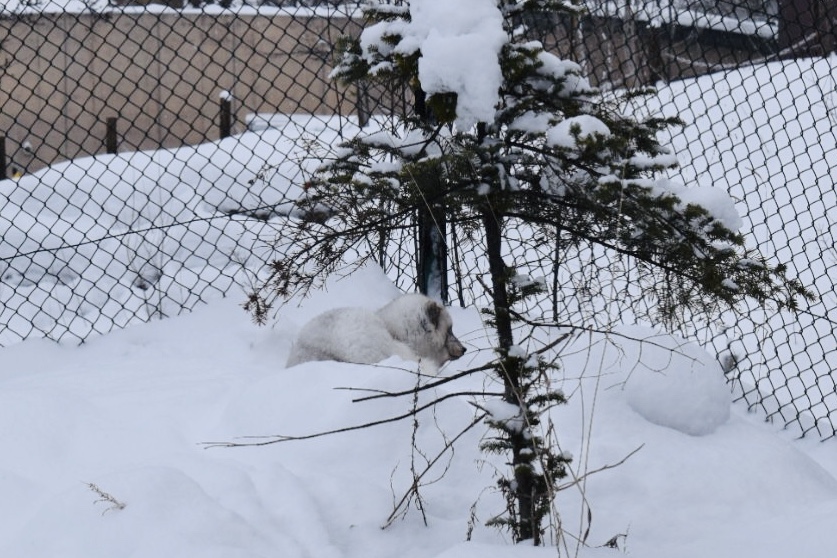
(644, 160)
(716, 201)
(532, 122)
(586, 126)
(505, 413)
(574, 82)
(688, 392)
(454, 39)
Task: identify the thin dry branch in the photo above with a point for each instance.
(113, 503)
(588, 329)
(277, 438)
(414, 487)
(425, 387)
(580, 478)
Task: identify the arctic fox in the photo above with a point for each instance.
(413, 327)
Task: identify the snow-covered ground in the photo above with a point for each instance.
(104, 444)
(127, 415)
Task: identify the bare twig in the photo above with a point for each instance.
(430, 385)
(417, 478)
(579, 479)
(413, 492)
(277, 438)
(113, 503)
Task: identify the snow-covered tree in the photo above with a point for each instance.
(506, 132)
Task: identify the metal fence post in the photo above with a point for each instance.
(226, 115)
(3, 158)
(110, 135)
(432, 262)
(361, 105)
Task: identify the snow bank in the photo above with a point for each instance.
(674, 383)
(127, 412)
(98, 242)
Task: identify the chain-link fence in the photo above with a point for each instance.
(150, 151)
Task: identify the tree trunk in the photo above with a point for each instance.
(499, 277)
(510, 372)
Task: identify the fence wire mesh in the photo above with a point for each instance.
(148, 153)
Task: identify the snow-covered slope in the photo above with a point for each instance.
(765, 134)
(126, 415)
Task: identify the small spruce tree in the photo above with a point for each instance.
(531, 142)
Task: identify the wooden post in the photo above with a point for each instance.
(226, 115)
(3, 158)
(110, 135)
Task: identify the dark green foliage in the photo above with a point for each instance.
(601, 190)
(536, 466)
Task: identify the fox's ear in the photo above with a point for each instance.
(434, 312)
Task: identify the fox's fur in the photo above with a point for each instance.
(413, 327)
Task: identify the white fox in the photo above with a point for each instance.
(413, 327)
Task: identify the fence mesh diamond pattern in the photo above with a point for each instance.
(149, 154)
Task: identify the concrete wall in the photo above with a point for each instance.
(161, 75)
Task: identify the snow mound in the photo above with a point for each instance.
(674, 383)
